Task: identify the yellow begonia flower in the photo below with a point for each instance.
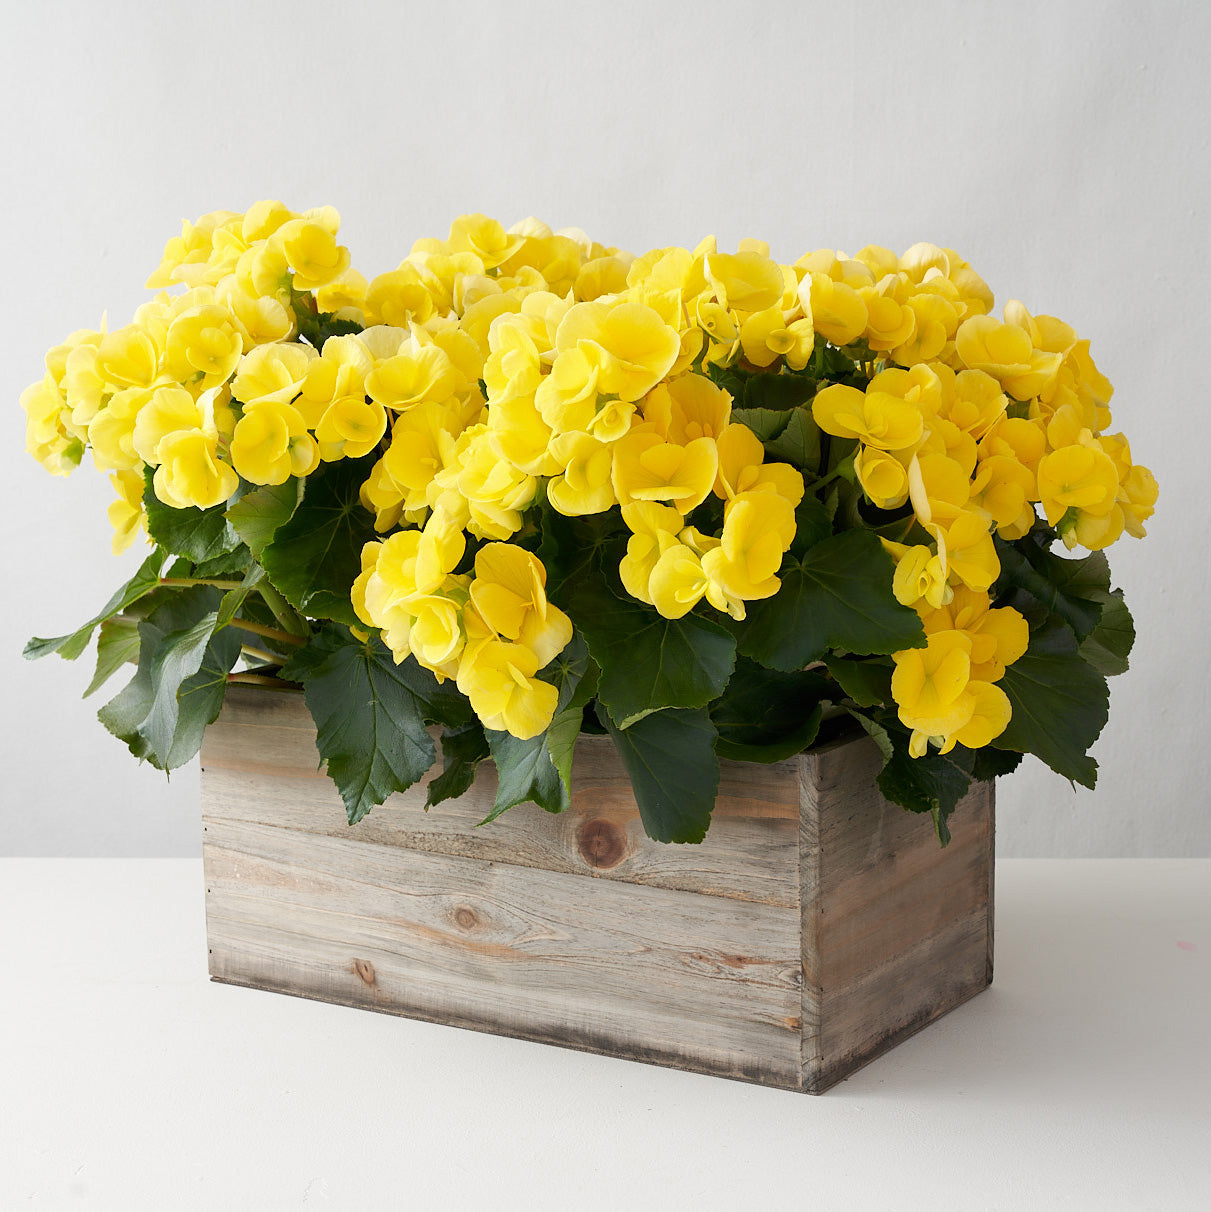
(1080, 477)
(126, 515)
(339, 371)
(345, 295)
(877, 418)
(935, 321)
(758, 528)
(310, 248)
(998, 637)
(484, 237)
(350, 427)
(1006, 353)
(742, 469)
(567, 397)
(688, 407)
(1016, 438)
(834, 309)
(126, 357)
(890, 321)
(170, 410)
(509, 596)
(766, 336)
(498, 678)
(745, 282)
(1004, 489)
(398, 298)
(412, 375)
(260, 320)
(928, 684)
(495, 491)
(586, 485)
(939, 699)
(882, 476)
(271, 444)
(967, 550)
(630, 343)
(677, 582)
(648, 469)
(111, 432)
(520, 436)
(977, 404)
(654, 529)
(272, 374)
(190, 473)
(601, 276)
(920, 575)
(203, 346)
(1046, 333)
(939, 487)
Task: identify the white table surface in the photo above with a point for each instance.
(128, 1080)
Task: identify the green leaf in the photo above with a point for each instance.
(932, 783)
(867, 683)
(766, 716)
(314, 558)
(799, 443)
(462, 751)
(257, 515)
(525, 774)
(990, 763)
(777, 392)
(176, 659)
(813, 524)
(576, 676)
(182, 706)
(196, 534)
(1060, 704)
(875, 731)
(117, 645)
(70, 646)
(649, 662)
(670, 756)
(766, 423)
(1109, 644)
(233, 599)
(1072, 589)
(839, 597)
(370, 724)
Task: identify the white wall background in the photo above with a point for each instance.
(1061, 147)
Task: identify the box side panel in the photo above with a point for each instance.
(897, 930)
(660, 975)
(260, 765)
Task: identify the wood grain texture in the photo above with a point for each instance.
(815, 926)
(261, 765)
(896, 930)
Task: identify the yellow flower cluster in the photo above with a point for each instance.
(499, 367)
(973, 428)
(159, 391)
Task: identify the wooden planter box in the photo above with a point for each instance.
(816, 927)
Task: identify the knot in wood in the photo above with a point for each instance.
(466, 917)
(364, 969)
(602, 844)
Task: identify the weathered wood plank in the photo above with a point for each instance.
(706, 982)
(262, 767)
(896, 929)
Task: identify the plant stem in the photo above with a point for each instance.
(290, 619)
(270, 633)
(187, 582)
(257, 679)
(260, 654)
